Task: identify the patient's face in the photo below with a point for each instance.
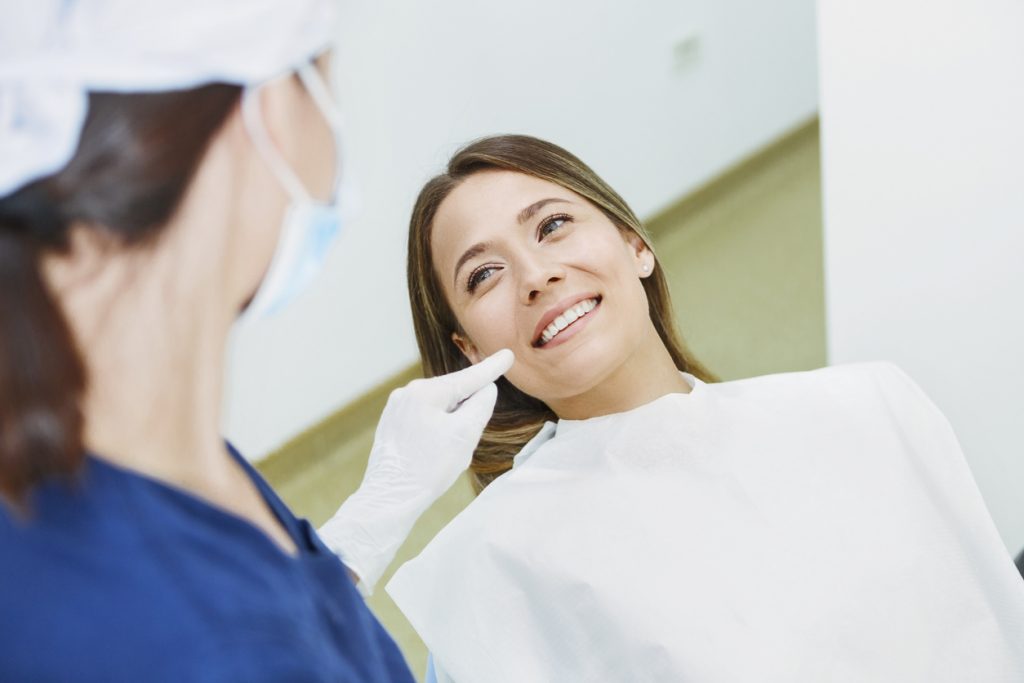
(531, 266)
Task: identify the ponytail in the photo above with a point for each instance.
(42, 377)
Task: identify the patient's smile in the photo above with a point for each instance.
(565, 320)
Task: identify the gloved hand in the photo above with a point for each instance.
(425, 439)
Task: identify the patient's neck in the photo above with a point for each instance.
(648, 374)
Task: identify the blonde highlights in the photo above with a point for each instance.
(517, 416)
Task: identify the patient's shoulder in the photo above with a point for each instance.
(848, 384)
(848, 375)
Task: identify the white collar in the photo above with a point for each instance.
(546, 433)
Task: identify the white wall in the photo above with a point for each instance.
(923, 146)
(603, 79)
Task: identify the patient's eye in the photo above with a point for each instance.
(552, 223)
(477, 277)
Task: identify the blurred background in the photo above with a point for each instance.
(825, 182)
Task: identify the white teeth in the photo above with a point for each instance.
(567, 318)
(584, 307)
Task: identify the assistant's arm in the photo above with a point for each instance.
(424, 441)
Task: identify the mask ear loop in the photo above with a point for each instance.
(252, 116)
(322, 95)
(328, 105)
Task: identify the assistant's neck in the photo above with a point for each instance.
(154, 351)
(154, 354)
(151, 323)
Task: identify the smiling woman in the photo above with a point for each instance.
(634, 497)
(520, 245)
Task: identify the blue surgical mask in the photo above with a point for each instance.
(310, 227)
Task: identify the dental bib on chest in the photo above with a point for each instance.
(798, 528)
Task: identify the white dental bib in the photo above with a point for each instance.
(817, 526)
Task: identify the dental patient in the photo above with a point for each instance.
(638, 521)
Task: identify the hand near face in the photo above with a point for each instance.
(424, 441)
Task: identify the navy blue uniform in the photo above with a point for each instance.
(119, 577)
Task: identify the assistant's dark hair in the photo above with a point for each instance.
(135, 159)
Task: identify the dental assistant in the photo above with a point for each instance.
(165, 168)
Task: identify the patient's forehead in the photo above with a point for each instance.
(497, 195)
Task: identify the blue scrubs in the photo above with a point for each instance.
(122, 578)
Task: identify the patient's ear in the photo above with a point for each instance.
(641, 253)
(467, 347)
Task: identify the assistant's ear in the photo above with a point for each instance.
(89, 250)
(467, 347)
(642, 254)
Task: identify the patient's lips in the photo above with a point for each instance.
(562, 318)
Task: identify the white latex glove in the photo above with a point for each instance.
(424, 441)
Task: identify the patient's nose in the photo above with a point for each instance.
(538, 277)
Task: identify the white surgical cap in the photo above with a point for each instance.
(54, 52)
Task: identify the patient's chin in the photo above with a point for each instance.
(559, 376)
(551, 389)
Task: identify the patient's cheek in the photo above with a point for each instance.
(491, 334)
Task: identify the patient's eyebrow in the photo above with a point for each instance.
(527, 213)
(471, 253)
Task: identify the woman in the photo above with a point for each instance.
(638, 523)
(163, 167)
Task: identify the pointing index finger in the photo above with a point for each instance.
(467, 382)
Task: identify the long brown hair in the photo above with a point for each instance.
(135, 159)
(517, 416)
